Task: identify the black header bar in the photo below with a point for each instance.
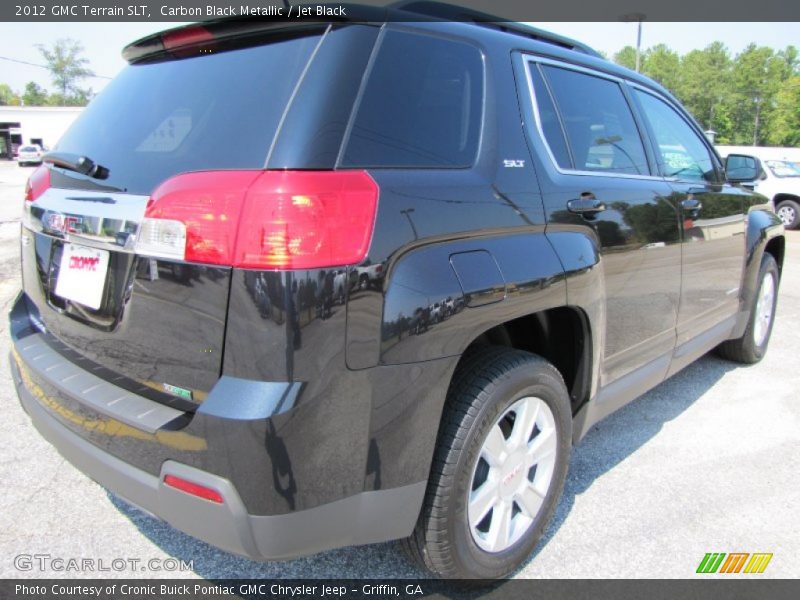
(511, 10)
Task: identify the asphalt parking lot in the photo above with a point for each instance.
(706, 462)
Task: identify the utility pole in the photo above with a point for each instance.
(636, 18)
(638, 46)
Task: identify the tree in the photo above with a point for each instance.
(782, 127)
(705, 86)
(756, 77)
(626, 57)
(663, 65)
(66, 65)
(35, 95)
(8, 97)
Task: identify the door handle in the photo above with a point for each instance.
(587, 205)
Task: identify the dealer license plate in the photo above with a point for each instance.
(82, 275)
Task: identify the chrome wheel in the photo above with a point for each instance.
(787, 214)
(764, 309)
(512, 475)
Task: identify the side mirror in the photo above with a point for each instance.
(740, 168)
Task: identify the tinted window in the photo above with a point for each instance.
(782, 168)
(600, 128)
(421, 107)
(216, 111)
(682, 152)
(740, 166)
(548, 117)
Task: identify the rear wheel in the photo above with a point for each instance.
(789, 212)
(499, 468)
(752, 346)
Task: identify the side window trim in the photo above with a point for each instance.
(532, 64)
(644, 133)
(660, 166)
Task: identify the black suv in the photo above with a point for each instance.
(292, 287)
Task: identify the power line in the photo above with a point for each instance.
(30, 64)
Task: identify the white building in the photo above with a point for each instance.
(43, 125)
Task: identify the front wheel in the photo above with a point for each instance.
(789, 213)
(752, 346)
(499, 468)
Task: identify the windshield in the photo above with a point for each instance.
(29, 149)
(782, 168)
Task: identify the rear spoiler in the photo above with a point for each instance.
(208, 32)
(214, 31)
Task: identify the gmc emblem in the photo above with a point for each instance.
(63, 223)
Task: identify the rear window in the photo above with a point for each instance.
(219, 111)
(29, 149)
(422, 105)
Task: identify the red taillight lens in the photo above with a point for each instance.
(37, 183)
(195, 489)
(186, 37)
(194, 216)
(185, 42)
(262, 219)
(307, 219)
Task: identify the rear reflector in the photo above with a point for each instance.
(37, 183)
(195, 489)
(262, 219)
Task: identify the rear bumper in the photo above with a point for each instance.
(365, 517)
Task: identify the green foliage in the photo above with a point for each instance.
(783, 126)
(67, 68)
(35, 95)
(626, 57)
(752, 98)
(663, 65)
(8, 97)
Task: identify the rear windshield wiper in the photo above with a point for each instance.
(80, 164)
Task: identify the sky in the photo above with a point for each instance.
(104, 41)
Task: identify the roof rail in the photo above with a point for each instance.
(451, 12)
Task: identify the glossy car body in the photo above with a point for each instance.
(314, 421)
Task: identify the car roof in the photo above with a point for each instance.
(471, 23)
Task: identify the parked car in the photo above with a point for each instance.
(536, 171)
(369, 276)
(778, 180)
(29, 155)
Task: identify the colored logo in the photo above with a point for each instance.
(735, 562)
(63, 223)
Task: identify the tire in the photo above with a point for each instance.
(789, 212)
(490, 386)
(752, 346)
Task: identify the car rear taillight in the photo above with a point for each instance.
(195, 489)
(37, 183)
(188, 41)
(262, 219)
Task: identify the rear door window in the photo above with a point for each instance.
(216, 111)
(598, 122)
(422, 105)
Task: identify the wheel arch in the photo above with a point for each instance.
(765, 233)
(561, 335)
